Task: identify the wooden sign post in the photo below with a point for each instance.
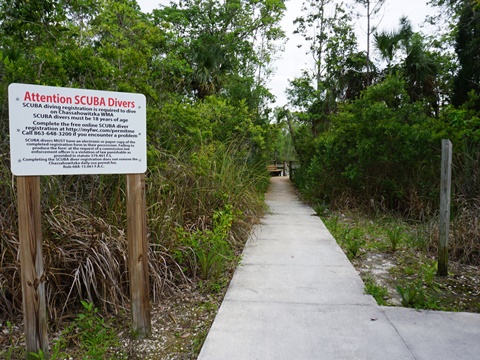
(138, 255)
(31, 261)
(66, 131)
(445, 190)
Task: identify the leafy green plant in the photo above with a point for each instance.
(429, 270)
(92, 337)
(411, 295)
(394, 236)
(332, 224)
(352, 242)
(379, 293)
(207, 253)
(320, 209)
(95, 337)
(38, 355)
(353, 247)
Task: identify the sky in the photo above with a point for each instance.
(293, 59)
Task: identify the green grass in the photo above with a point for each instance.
(406, 245)
(379, 293)
(89, 336)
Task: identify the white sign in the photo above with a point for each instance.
(66, 131)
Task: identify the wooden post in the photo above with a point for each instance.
(138, 255)
(445, 190)
(31, 263)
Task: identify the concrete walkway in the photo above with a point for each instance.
(296, 296)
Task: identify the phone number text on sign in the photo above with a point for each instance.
(61, 131)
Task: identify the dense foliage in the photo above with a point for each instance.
(203, 68)
(369, 133)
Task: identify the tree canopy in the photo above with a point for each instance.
(369, 127)
(365, 125)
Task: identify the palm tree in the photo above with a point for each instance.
(386, 43)
(418, 65)
(210, 65)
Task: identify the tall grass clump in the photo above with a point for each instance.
(201, 205)
(394, 236)
(465, 244)
(209, 200)
(464, 240)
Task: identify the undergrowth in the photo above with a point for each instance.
(379, 293)
(201, 205)
(410, 248)
(88, 336)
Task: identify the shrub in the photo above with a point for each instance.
(213, 194)
(378, 148)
